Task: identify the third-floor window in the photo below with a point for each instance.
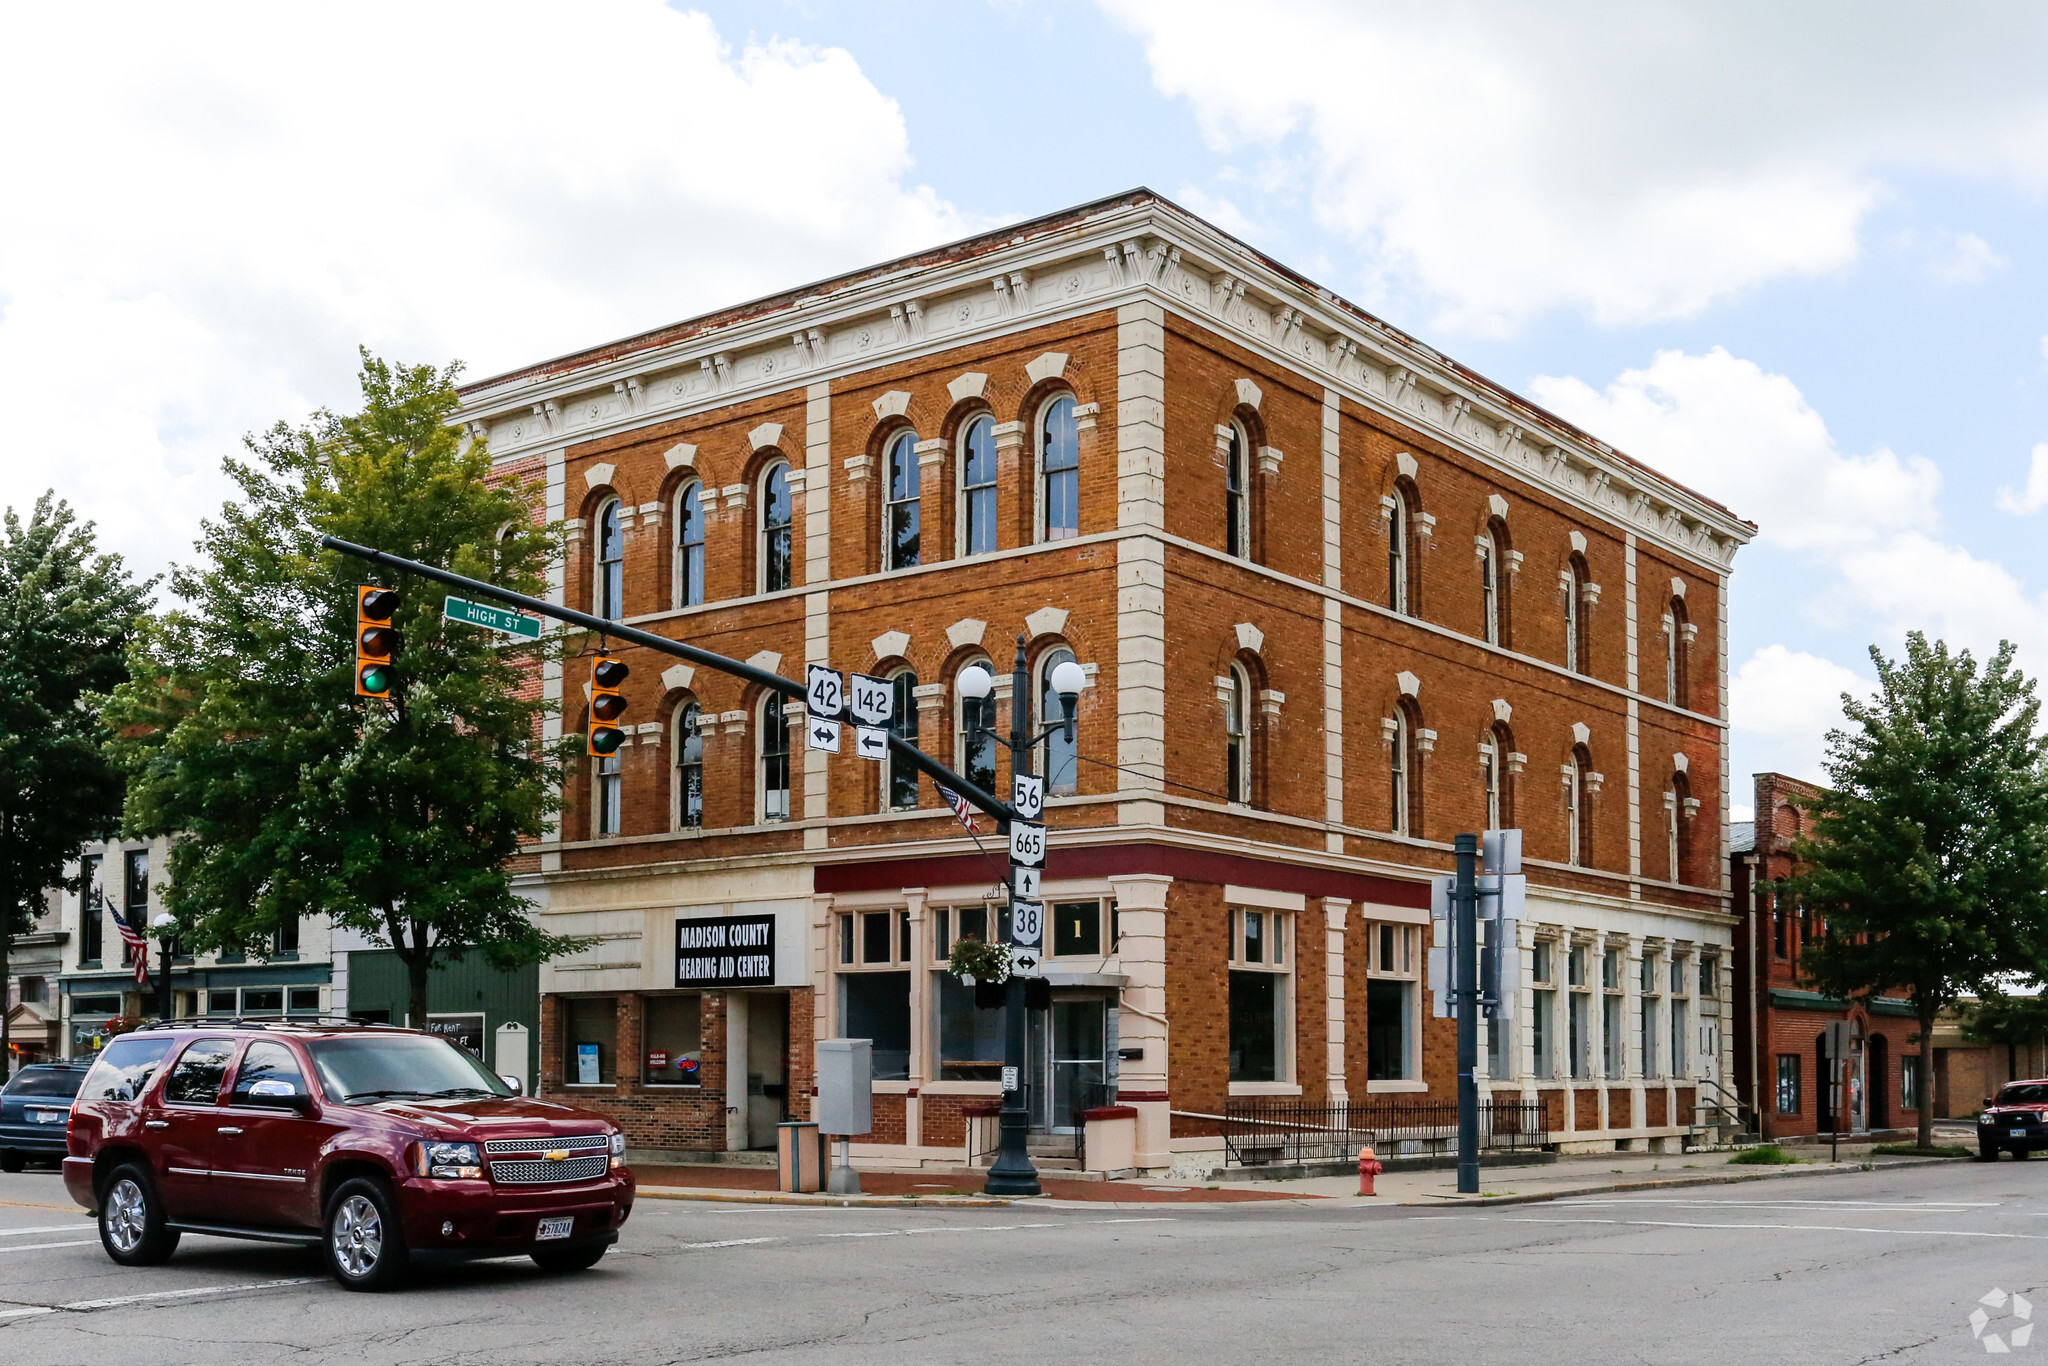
(777, 552)
(978, 486)
(900, 522)
(1059, 470)
(689, 567)
(611, 562)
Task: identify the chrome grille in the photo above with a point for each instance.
(541, 1143)
(527, 1173)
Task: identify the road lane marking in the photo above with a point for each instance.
(46, 1228)
(92, 1306)
(731, 1242)
(1788, 1204)
(910, 1232)
(37, 1247)
(1789, 1207)
(1795, 1228)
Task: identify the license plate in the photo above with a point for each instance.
(2015, 1133)
(46, 1116)
(554, 1228)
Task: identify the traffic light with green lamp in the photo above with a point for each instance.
(376, 640)
(607, 705)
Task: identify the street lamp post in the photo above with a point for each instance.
(163, 924)
(1012, 1173)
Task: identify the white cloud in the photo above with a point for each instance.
(1965, 259)
(1507, 158)
(1782, 703)
(2035, 496)
(208, 208)
(1744, 436)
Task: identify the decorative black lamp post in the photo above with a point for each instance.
(164, 925)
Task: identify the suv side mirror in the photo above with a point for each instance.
(280, 1095)
(512, 1082)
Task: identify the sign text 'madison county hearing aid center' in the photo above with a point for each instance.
(730, 951)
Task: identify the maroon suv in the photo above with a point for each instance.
(370, 1142)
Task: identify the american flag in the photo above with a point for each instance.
(961, 808)
(137, 945)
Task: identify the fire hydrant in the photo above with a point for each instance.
(1368, 1168)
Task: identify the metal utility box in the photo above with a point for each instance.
(799, 1157)
(846, 1080)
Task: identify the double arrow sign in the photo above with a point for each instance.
(826, 705)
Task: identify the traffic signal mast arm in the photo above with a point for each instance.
(540, 607)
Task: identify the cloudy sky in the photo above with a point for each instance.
(1782, 253)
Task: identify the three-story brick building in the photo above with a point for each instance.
(1337, 598)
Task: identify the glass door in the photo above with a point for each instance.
(1068, 1061)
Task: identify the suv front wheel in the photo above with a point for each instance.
(364, 1244)
(132, 1219)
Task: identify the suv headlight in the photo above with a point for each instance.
(450, 1160)
(618, 1143)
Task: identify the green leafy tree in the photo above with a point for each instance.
(289, 795)
(66, 612)
(2012, 1020)
(1927, 856)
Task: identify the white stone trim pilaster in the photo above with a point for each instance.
(1635, 744)
(1141, 950)
(1141, 560)
(1334, 911)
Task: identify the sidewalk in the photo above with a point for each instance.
(1585, 1174)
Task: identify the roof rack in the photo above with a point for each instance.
(237, 1022)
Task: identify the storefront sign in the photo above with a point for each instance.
(730, 951)
(467, 1030)
(656, 1059)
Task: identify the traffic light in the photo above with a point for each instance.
(606, 706)
(376, 640)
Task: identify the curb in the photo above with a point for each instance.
(1713, 1179)
(742, 1197)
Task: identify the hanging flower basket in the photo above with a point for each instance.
(983, 966)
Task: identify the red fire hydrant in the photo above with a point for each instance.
(1368, 1168)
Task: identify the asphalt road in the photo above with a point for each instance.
(1868, 1267)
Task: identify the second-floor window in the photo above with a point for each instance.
(1404, 770)
(1237, 537)
(774, 744)
(689, 781)
(92, 920)
(978, 486)
(1237, 738)
(777, 552)
(1578, 798)
(607, 795)
(900, 777)
(900, 509)
(611, 561)
(1575, 611)
(689, 569)
(977, 737)
(1677, 655)
(135, 896)
(1059, 470)
(1062, 760)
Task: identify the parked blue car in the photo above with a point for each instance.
(34, 1110)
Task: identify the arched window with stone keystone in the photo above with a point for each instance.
(609, 582)
(686, 745)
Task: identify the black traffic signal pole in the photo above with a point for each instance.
(1012, 1173)
(541, 607)
(1465, 973)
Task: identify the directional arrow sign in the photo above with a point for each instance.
(1026, 962)
(1025, 881)
(870, 742)
(822, 735)
(491, 618)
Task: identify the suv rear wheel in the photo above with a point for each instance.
(364, 1244)
(11, 1160)
(132, 1219)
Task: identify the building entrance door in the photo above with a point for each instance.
(767, 1066)
(1069, 1060)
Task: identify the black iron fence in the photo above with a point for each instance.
(1263, 1131)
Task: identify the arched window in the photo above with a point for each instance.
(1404, 770)
(689, 569)
(774, 745)
(900, 503)
(975, 734)
(1497, 758)
(1059, 470)
(611, 562)
(1237, 522)
(1677, 656)
(687, 744)
(899, 778)
(1496, 553)
(1576, 579)
(776, 558)
(1681, 827)
(1579, 808)
(1060, 761)
(1489, 588)
(1237, 738)
(978, 486)
(1404, 568)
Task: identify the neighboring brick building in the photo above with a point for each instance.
(1781, 1059)
(1245, 507)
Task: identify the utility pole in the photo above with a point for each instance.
(1465, 944)
(1012, 1172)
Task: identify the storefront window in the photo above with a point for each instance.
(1391, 996)
(1788, 1085)
(1260, 965)
(1077, 929)
(590, 1036)
(970, 1043)
(674, 1040)
(876, 1006)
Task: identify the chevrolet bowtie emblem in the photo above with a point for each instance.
(557, 1155)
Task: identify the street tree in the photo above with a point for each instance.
(66, 613)
(1926, 857)
(287, 794)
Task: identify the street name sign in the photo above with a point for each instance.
(491, 618)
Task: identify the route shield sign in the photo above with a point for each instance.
(821, 734)
(873, 700)
(824, 692)
(1027, 844)
(1027, 924)
(1028, 796)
